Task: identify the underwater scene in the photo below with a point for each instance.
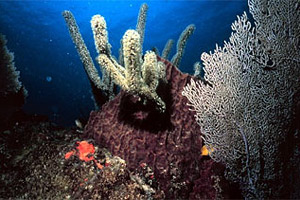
(159, 99)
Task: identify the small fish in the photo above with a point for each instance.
(206, 151)
(78, 124)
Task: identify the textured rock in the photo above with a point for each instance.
(33, 166)
(169, 143)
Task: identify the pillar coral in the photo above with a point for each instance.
(170, 142)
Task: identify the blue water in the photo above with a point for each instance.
(50, 66)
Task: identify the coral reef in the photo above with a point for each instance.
(148, 123)
(145, 143)
(245, 111)
(12, 92)
(170, 142)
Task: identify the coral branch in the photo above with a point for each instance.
(132, 59)
(141, 22)
(167, 49)
(102, 45)
(150, 70)
(181, 43)
(114, 70)
(98, 25)
(82, 50)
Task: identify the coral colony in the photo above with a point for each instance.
(229, 131)
(151, 94)
(234, 104)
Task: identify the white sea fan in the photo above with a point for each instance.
(246, 108)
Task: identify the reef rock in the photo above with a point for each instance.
(170, 142)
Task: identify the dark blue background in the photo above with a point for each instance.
(50, 67)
